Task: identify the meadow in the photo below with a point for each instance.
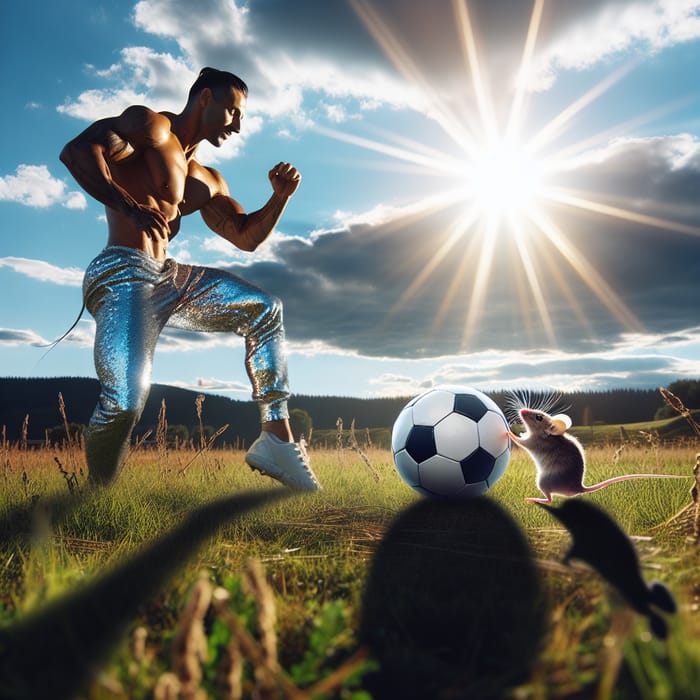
(269, 605)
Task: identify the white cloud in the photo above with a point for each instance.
(216, 386)
(75, 200)
(613, 28)
(34, 186)
(12, 337)
(44, 272)
(218, 21)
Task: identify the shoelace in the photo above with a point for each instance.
(300, 449)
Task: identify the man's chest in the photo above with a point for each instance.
(159, 171)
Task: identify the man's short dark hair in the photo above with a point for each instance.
(217, 81)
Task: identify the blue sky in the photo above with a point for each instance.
(494, 194)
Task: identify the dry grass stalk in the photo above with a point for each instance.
(339, 438)
(271, 682)
(334, 680)
(355, 446)
(140, 440)
(162, 435)
(167, 688)
(230, 672)
(694, 492)
(254, 582)
(198, 402)
(611, 655)
(6, 463)
(206, 445)
(190, 642)
(675, 403)
(70, 478)
(70, 443)
(25, 432)
(138, 644)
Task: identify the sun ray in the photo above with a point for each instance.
(442, 165)
(468, 257)
(532, 278)
(560, 160)
(514, 119)
(456, 234)
(564, 196)
(481, 279)
(555, 273)
(550, 130)
(585, 270)
(393, 49)
(504, 181)
(471, 55)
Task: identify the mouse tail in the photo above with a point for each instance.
(661, 597)
(53, 344)
(625, 477)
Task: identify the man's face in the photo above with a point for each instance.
(222, 117)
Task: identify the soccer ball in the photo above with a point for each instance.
(451, 442)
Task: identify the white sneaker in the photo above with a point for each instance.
(285, 461)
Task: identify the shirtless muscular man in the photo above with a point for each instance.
(142, 166)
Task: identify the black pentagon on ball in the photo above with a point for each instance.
(470, 406)
(421, 443)
(478, 466)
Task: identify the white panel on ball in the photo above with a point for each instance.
(402, 427)
(456, 436)
(492, 433)
(432, 407)
(407, 468)
(441, 476)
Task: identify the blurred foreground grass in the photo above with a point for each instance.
(316, 551)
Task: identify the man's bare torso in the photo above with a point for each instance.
(159, 176)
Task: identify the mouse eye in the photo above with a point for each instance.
(538, 418)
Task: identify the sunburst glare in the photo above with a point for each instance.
(507, 181)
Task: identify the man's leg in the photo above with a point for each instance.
(119, 295)
(213, 300)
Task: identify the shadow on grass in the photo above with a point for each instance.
(52, 652)
(453, 606)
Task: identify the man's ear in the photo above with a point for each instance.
(205, 96)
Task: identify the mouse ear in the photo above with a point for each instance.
(560, 424)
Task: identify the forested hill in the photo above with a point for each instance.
(38, 398)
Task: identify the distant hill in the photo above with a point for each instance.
(39, 399)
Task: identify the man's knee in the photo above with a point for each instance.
(268, 314)
(123, 406)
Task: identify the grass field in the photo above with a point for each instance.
(303, 618)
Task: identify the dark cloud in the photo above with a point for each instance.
(345, 287)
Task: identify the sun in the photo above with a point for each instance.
(503, 179)
(507, 187)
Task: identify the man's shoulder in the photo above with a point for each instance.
(212, 177)
(143, 127)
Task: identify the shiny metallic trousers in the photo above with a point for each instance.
(132, 297)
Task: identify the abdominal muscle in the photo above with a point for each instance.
(123, 231)
(156, 179)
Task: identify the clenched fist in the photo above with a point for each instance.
(285, 179)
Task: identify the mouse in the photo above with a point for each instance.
(600, 542)
(559, 457)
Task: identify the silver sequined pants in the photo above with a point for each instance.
(132, 297)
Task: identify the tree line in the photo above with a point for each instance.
(38, 398)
